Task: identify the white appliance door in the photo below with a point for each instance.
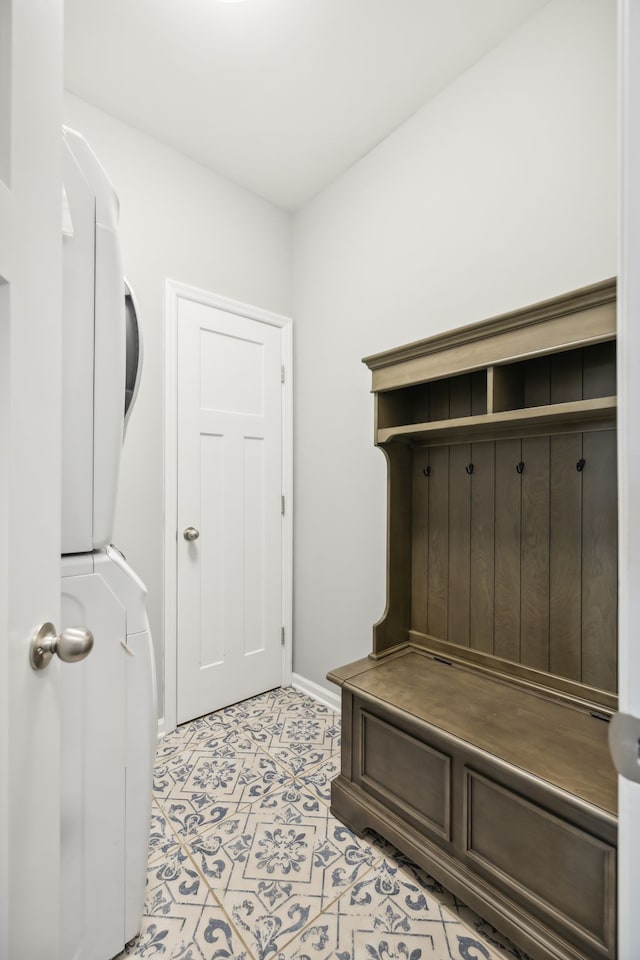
(95, 352)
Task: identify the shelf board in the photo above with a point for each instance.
(579, 415)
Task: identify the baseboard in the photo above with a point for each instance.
(329, 699)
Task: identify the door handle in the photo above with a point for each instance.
(190, 533)
(72, 645)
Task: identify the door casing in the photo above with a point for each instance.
(628, 456)
(174, 292)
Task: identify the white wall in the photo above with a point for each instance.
(498, 193)
(182, 221)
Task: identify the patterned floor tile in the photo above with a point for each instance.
(389, 915)
(318, 780)
(217, 733)
(199, 788)
(271, 875)
(298, 739)
(162, 840)
(282, 698)
(277, 865)
(182, 921)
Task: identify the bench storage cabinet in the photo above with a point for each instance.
(475, 733)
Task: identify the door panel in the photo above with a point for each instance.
(629, 459)
(229, 594)
(30, 374)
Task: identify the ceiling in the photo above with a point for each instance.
(279, 96)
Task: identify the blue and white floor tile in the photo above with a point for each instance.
(183, 921)
(247, 863)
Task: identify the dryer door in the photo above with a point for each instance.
(133, 354)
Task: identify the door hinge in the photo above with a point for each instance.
(282, 505)
(282, 373)
(282, 636)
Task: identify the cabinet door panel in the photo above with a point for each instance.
(410, 776)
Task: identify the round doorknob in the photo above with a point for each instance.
(190, 533)
(72, 645)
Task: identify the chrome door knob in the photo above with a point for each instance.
(72, 645)
(190, 533)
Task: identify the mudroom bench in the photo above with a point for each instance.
(505, 794)
(475, 732)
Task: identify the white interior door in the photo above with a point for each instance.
(229, 595)
(30, 373)
(629, 462)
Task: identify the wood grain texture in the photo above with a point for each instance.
(482, 546)
(599, 561)
(565, 557)
(566, 376)
(460, 396)
(535, 554)
(600, 371)
(594, 414)
(479, 395)
(419, 403)
(392, 629)
(420, 539)
(536, 375)
(508, 388)
(438, 600)
(459, 544)
(439, 407)
(519, 334)
(508, 505)
(502, 718)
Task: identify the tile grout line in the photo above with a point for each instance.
(183, 840)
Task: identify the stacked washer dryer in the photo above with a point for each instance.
(109, 718)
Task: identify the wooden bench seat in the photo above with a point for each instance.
(503, 791)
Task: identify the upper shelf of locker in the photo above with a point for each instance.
(548, 369)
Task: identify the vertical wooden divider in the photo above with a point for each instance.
(482, 482)
(438, 601)
(599, 560)
(565, 557)
(534, 585)
(459, 543)
(437, 606)
(420, 539)
(460, 405)
(508, 508)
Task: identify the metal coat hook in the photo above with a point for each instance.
(427, 471)
(469, 469)
(580, 464)
(520, 467)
